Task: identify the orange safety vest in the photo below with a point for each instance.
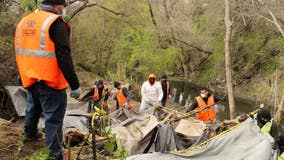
(35, 51)
(121, 98)
(96, 95)
(207, 114)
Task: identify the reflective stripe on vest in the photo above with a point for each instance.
(281, 157)
(122, 99)
(208, 114)
(267, 127)
(35, 51)
(40, 53)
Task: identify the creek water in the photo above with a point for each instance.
(183, 94)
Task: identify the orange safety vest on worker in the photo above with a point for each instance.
(122, 99)
(35, 51)
(96, 95)
(208, 114)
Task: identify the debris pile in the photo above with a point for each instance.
(149, 136)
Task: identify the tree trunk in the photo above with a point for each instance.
(229, 80)
(186, 71)
(280, 109)
(170, 21)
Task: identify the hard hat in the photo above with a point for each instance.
(53, 2)
(152, 76)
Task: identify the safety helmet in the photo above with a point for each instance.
(152, 76)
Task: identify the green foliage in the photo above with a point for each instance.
(270, 65)
(138, 45)
(256, 53)
(28, 5)
(116, 50)
(274, 50)
(121, 153)
(110, 145)
(42, 155)
(67, 18)
(6, 42)
(213, 66)
(130, 47)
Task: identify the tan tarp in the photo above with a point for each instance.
(191, 128)
(134, 132)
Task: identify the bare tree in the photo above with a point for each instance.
(229, 79)
(86, 4)
(170, 20)
(274, 19)
(280, 110)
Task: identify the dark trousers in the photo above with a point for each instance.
(52, 103)
(163, 102)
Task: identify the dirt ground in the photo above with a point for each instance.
(11, 143)
(11, 138)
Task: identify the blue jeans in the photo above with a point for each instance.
(52, 103)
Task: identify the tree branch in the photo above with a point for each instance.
(242, 14)
(78, 10)
(192, 46)
(273, 17)
(269, 20)
(86, 5)
(174, 2)
(152, 14)
(109, 10)
(13, 1)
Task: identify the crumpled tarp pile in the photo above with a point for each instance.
(243, 142)
(18, 96)
(140, 133)
(135, 132)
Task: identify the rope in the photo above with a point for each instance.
(214, 137)
(183, 115)
(218, 135)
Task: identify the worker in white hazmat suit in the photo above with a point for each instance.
(152, 93)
